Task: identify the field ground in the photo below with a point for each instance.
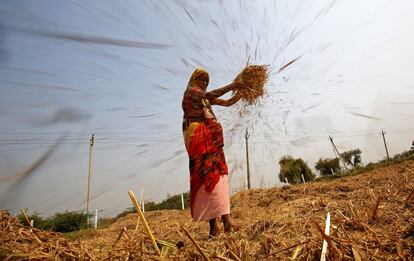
(372, 218)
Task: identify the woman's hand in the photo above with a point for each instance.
(227, 103)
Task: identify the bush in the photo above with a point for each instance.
(68, 221)
(60, 222)
(327, 166)
(38, 221)
(172, 202)
(352, 158)
(292, 170)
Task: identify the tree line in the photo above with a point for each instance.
(348, 162)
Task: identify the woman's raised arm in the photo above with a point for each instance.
(219, 92)
(227, 103)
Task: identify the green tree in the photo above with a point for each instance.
(292, 170)
(352, 158)
(327, 166)
(60, 222)
(68, 221)
(38, 221)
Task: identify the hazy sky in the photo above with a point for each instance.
(118, 69)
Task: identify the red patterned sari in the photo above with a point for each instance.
(204, 142)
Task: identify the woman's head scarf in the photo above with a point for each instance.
(196, 74)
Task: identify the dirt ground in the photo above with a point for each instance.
(372, 218)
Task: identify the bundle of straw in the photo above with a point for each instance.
(250, 82)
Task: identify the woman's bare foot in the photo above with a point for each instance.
(228, 225)
(214, 229)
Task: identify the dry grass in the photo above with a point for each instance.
(250, 82)
(372, 217)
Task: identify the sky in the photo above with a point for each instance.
(118, 69)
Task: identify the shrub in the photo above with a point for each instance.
(60, 222)
(292, 170)
(352, 158)
(68, 221)
(38, 221)
(327, 166)
(172, 202)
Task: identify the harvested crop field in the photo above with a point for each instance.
(372, 218)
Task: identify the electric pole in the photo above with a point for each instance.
(337, 152)
(247, 135)
(91, 142)
(385, 144)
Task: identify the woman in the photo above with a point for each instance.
(203, 136)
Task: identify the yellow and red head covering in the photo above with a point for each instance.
(197, 73)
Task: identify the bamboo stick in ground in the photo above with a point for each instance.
(375, 210)
(325, 243)
(30, 224)
(144, 221)
(195, 244)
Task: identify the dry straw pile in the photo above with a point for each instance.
(250, 82)
(18, 242)
(372, 217)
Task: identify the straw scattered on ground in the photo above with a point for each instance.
(372, 217)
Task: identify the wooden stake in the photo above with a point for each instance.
(325, 243)
(142, 201)
(144, 221)
(246, 136)
(30, 225)
(375, 211)
(195, 244)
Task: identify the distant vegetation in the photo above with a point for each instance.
(74, 221)
(292, 169)
(352, 158)
(328, 166)
(331, 167)
(60, 222)
(172, 202)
